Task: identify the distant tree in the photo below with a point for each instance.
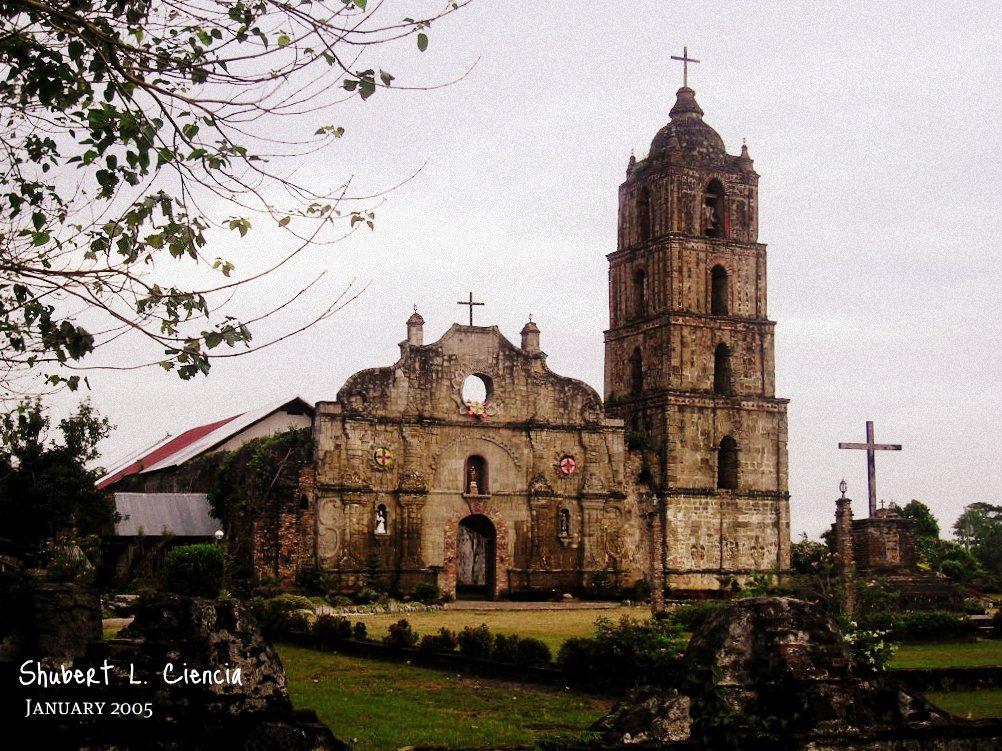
(979, 529)
(46, 488)
(926, 524)
(131, 131)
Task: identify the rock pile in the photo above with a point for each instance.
(774, 672)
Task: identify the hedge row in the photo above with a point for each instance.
(475, 642)
(917, 625)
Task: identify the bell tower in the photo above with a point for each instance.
(689, 362)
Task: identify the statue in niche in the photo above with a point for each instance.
(564, 523)
(473, 481)
(381, 519)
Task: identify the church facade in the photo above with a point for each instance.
(678, 477)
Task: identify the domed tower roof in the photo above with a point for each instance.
(686, 130)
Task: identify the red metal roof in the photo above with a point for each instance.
(165, 450)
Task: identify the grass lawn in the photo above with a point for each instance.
(383, 705)
(973, 705)
(949, 654)
(551, 626)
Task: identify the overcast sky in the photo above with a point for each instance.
(874, 126)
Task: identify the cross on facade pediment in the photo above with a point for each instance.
(471, 304)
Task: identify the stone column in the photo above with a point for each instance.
(656, 531)
(411, 507)
(844, 552)
(591, 524)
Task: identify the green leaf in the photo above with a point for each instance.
(39, 238)
(284, 40)
(385, 77)
(350, 84)
(360, 4)
(422, 41)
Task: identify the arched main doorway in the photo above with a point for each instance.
(476, 543)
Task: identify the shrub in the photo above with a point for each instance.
(476, 642)
(359, 632)
(426, 592)
(331, 627)
(693, 615)
(275, 614)
(627, 653)
(368, 596)
(339, 601)
(932, 625)
(997, 624)
(505, 648)
(195, 570)
(444, 641)
(641, 591)
(975, 606)
(533, 653)
(954, 569)
(298, 620)
(400, 636)
(871, 649)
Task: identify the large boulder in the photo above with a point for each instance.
(774, 671)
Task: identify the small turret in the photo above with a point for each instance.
(415, 329)
(530, 337)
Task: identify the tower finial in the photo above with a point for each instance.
(685, 60)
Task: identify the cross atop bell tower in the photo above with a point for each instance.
(685, 60)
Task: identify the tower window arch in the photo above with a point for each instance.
(644, 215)
(639, 293)
(718, 291)
(713, 209)
(475, 477)
(727, 464)
(636, 371)
(722, 382)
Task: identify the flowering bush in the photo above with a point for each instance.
(870, 648)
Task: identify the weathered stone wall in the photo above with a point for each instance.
(884, 541)
(714, 540)
(401, 437)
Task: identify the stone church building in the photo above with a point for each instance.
(535, 483)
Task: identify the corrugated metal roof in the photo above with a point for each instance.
(174, 451)
(162, 452)
(182, 514)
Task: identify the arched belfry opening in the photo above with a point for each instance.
(713, 209)
(475, 477)
(719, 292)
(722, 381)
(644, 215)
(476, 549)
(727, 464)
(639, 293)
(636, 371)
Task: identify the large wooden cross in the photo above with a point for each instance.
(471, 304)
(871, 447)
(685, 60)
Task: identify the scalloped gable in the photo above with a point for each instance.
(426, 382)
